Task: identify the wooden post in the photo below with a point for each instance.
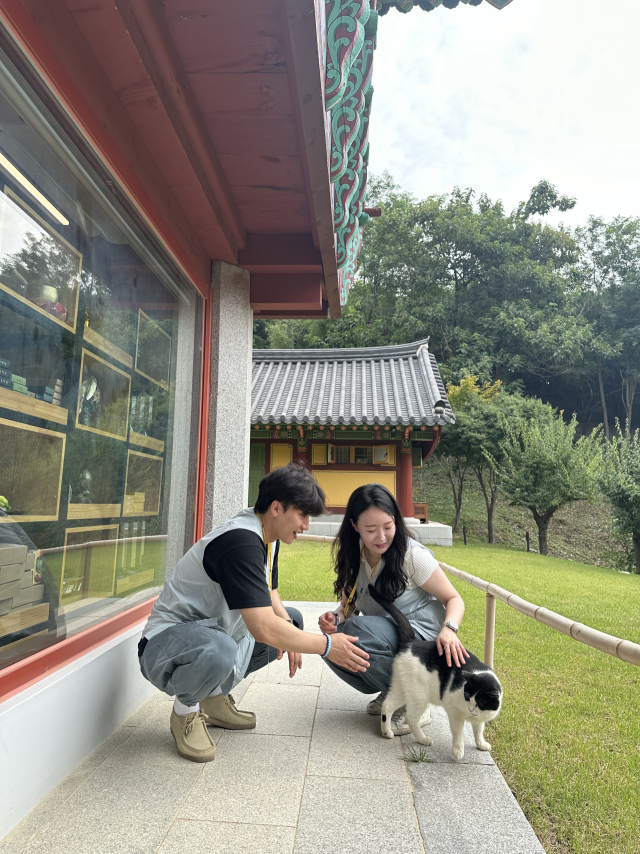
(464, 534)
(489, 629)
(405, 492)
(526, 534)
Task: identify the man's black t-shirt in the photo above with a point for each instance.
(236, 561)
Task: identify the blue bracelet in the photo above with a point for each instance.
(326, 652)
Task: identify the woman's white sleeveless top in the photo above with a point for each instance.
(423, 610)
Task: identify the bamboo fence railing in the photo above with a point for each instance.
(625, 650)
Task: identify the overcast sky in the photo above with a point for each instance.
(497, 100)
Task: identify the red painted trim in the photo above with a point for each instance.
(205, 403)
(25, 32)
(437, 435)
(22, 674)
(405, 492)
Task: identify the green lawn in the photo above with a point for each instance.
(568, 737)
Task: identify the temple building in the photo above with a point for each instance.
(353, 416)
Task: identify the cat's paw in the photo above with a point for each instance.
(386, 734)
(483, 745)
(457, 751)
(424, 740)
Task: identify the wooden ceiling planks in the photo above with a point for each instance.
(243, 89)
(101, 23)
(212, 91)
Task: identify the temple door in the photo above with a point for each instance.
(256, 469)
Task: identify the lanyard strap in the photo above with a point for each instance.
(348, 611)
(268, 570)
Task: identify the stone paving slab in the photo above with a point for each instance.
(254, 779)
(213, 837)
(440, 750)
(115, 806)
(470, 810)
(277, 672)
(336, 694)
(282, 709)
(349, 744)
(357, 817)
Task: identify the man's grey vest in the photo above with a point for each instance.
(190, 595)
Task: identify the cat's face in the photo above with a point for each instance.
(482, 693)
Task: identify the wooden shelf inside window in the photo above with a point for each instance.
(31, 475)
(94, 511)
(153, 351)
(17, 402)
(115, 389)
(23, 618)
(146, 441)
(144, 477)
(19, 219)
(101, 343)
(130, 582)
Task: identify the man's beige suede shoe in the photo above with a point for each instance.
(221, 711)
(192, 737)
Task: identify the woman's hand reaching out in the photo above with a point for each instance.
(328, 624)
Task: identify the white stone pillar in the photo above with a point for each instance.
(230, 405)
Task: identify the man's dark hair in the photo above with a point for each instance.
(292, 486)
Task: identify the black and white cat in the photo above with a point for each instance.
(421, 677)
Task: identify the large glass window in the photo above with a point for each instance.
(99, 356)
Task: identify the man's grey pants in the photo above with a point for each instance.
(379, 637)
(189, 660)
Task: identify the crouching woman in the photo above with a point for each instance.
(374, 546)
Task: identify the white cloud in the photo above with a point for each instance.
(499, 100)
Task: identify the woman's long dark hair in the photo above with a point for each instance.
(392, 581)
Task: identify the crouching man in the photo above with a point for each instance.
(219, 616)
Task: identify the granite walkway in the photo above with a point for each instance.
(314, 776)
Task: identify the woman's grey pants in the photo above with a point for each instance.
(379, 637)
(190, 660)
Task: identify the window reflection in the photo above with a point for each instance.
(90, 320)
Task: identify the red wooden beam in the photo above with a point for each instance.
(286, 293)
(148, 30)
(303, 50)
(280, 253)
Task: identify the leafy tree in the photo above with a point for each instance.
(620, 482)
(474, 443)
(461, 446)
(545, 467)
(493, 290)
(609, 271)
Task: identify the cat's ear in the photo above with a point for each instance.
(466, 674)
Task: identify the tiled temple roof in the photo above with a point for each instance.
(398, 385)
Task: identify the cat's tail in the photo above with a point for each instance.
(404, 626)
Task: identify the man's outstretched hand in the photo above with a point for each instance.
(295, 661)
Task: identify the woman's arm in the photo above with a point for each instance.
(327, 621)
(438, 585)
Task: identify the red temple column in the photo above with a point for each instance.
(406, 479)
(301, 448)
